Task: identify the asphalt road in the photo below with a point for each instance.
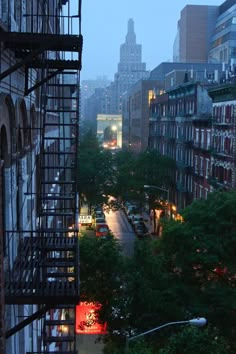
(122, 230)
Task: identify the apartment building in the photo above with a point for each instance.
(135, 114)
(223, 145)
(39, 79)
(180, 128)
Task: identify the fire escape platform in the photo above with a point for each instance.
(32, 45)
(42, 272)
(34, 41)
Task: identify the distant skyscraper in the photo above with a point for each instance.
(130, 68)
(195, 28)
(87, 89)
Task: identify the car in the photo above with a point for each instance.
(131, 212)
(136, 218)
(141, 230)
(99, 220)
(102, 230)
(99, 214)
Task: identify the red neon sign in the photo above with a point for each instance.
(86, 319)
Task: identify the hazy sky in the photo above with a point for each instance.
(104, 27)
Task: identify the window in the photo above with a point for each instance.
(201, 166)
(202, 138)
(208, 139)
(197, 136)
(196, 164)
(200, 191)
(207, 168)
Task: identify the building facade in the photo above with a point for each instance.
(223, 145)
(195, 27)
(38, 154)
(130, 69)
(223, 42)
(180, 124)
(135, 114)
(88, 89)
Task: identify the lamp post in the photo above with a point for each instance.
(197, 322)
(168, 199)
(161, 189)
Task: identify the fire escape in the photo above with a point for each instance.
(45, 271)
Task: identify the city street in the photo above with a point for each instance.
(122, 230)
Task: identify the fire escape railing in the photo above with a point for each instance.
(45, 271)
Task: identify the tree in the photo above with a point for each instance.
(136, 170)
(155, 170)
(100, 267)
(152, 168)
(124, 163)
(96, 173)
(201, 253)
(196, 340)
(170, 279)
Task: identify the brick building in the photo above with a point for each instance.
(179, 129)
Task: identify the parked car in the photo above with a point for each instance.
(136, 218)
(141, 229)
(102, 230)
(130, 214)
(99, 214)
(99, 220)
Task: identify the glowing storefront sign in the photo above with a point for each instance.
(86, 319)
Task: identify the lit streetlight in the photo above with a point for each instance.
(197, 322)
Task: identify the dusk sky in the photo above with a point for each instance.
(104, 27)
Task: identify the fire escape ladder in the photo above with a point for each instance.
(45, 270)
(59, 204)
(234, 149)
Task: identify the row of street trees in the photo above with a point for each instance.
(122, 174)
(189, 272)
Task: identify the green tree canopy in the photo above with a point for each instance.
(201, 253)
(96, 172)
(196, 340)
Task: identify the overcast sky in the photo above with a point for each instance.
(104, 27)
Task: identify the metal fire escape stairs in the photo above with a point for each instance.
(45, 272)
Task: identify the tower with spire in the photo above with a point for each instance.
(130, 68)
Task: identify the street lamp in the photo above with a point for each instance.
(161, 189)
(197, 322)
